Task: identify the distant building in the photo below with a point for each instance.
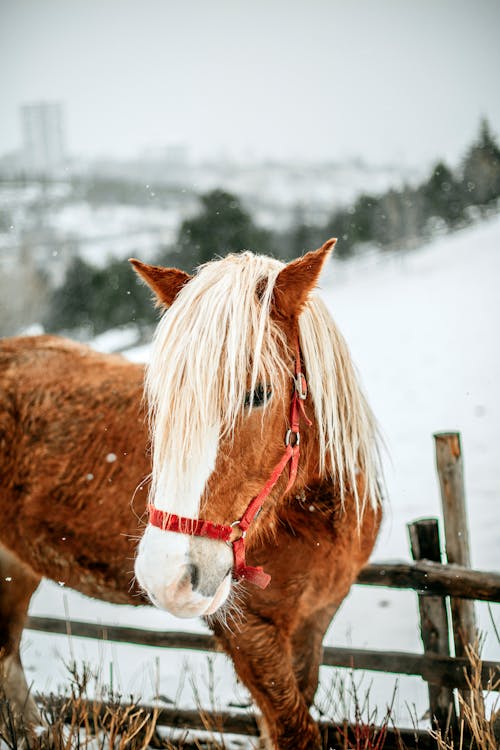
(44, 139)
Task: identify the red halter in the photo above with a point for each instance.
(197, 527)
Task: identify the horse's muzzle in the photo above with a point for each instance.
(187, 576)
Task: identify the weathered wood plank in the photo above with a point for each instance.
(439, 670)
(124, 634)
(424, 541)
(450, 470)
(434, 578)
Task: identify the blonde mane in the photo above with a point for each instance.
(218, 341)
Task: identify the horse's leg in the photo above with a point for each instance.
(17, 584)
(307, 649)
(262, 656)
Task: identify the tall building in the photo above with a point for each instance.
(44, 142)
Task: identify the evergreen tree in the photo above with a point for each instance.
(99, 299)
(362, 223)
(443, 195)
(71, 304)
(400, 217)
(120, 298)
(481, 169)
(221, 227)
(353, 226)
(301, 237)
(342, 225)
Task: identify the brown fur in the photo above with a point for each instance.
(165, 286)
(63, 410)
(66, 509)
(297, 279)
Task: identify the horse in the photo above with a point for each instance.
(261, 455)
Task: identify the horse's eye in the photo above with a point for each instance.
(257, 397)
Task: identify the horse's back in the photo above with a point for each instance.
(17, 347)
(32, 359)
(49, 384)
(73, 444)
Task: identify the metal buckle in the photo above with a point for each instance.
(288, 438)
(300, 386)
(243, 533)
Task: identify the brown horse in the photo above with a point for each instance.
(225, 386)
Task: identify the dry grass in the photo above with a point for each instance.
(109, 721)
(365, 729)
(76, 722)
(479, 728)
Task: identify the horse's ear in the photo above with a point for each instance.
(297, 279)
(166, 283)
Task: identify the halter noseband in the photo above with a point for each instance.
(197, 527)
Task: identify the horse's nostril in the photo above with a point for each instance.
(194, 575)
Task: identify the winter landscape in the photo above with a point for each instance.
(177, 133)
(428, 364)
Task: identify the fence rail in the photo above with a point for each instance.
(434, 578)
(438, 670)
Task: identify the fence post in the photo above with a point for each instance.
(450, 469)
(424, 542)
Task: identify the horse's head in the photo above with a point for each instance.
(219, 386)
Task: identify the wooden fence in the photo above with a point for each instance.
(434, 582)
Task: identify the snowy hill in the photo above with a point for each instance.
(423, 330)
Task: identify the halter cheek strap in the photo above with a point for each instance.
(226, 532)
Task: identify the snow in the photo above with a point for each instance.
(422, 328)
(116, 339)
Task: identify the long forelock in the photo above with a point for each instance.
(216, 339)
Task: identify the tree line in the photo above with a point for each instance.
(98, 299)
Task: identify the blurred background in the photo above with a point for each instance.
(174, 132)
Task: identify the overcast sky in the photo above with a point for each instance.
(386, 80)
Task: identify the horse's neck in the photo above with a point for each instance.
(321, 489)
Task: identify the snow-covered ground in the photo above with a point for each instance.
(423, 330)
